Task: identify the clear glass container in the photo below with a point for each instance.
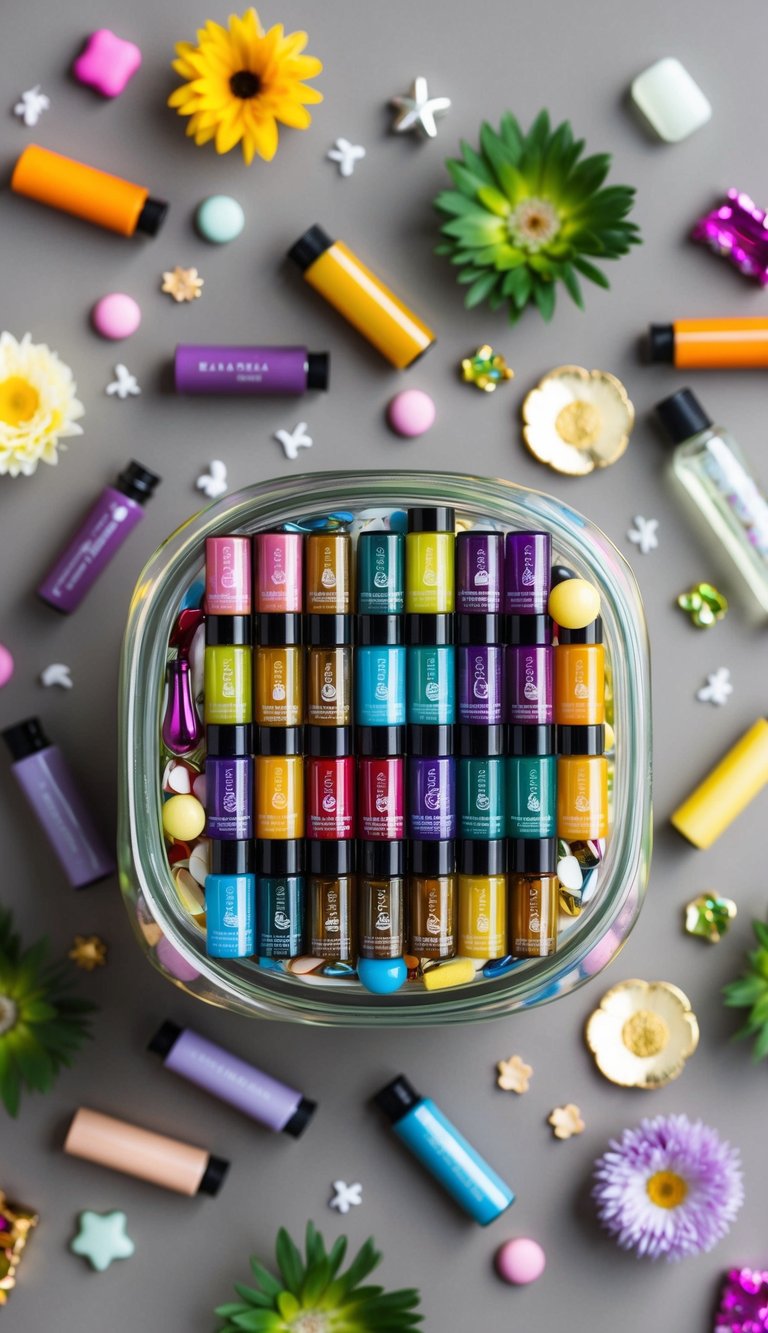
(175, 942)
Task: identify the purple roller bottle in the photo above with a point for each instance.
(101, 534)
(43, 775)
(480, 692)
(229, 783)
(528, 670)
(527, 573)
(432, 797)
(479, 572)
(249, 371)
(232, 1080)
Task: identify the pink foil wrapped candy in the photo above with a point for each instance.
(737, 230)
(743, 1302)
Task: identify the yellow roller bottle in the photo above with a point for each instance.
(482, 899)
(227, 670)
(727, 790)
(429, 561)
(279, 782)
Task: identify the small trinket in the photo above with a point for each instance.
(213, 483)
(514, 1074)
(182, 284)
(31, 106)
(16, 1223)
(346, 154)
(346, 1196)
(737, 230)
(485, 369)
(293, 440)
(108, 63)
(709, 916)
(642, 1033)
(520, 1261)
(718, 688)
(704, 604)
(88, 952)
(743, 1302)
(576, 420)
(56, 674)
(417, 111)
(670, 100)
(566, 1121)
(124, 385)
(102, 1238)
(643, 534)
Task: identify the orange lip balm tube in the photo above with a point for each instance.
(711, 344)
(96, 196)
(140, 1152)
(338, 275)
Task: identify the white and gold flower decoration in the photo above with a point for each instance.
(38, 405)
(576, 420)
(642, 1033)
(514, 1075)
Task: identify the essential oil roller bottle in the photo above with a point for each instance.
(328, 574)
(380, 574)
(712, 469)
(362, 298)
(280, 899)
(380, 672)
(249, 371)
(332, 930)
(228, 576)
(533, 897)
(227, 671)
(429, 561)
(531, 786)
(330, 782)
(431, 784)
(279, 780)
(481, 782)
(278, 573)
(230, 901)
(432, 900)
(480, 663)
(381, 909)
(96, 196)
(381, 784)
(528, 669)
(431, 694)
(582, 784)
(278, 699)
(229, 783)
(580, 676)
(329, 681)
(482, 899)
(528, 558)
(479, 572)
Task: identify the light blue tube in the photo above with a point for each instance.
(230, 914)
(454, 1162)
(380, 685)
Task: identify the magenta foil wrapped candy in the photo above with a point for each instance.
(737, 230)
(743, 1302)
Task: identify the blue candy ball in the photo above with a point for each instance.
(382, 976)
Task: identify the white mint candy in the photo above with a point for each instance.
(670, 100)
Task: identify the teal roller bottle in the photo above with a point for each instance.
(531, 782)
(446, 1154)
(380, 573)
(481, 782)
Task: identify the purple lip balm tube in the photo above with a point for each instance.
(247, 371)
(527, 573)
(99, 537)
(232, 1080)
(43, 775)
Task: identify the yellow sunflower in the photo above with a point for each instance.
(241, 81)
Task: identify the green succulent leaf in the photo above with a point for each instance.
(750, 991)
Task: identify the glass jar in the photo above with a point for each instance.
(175, 941)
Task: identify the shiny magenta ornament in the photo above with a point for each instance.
(737, 230)
(743, 1302)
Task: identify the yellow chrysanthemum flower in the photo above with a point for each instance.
(38, 407)
(241, 81)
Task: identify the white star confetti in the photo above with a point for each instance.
(643, 534)
(57, 674)
(293, 440)
(31, 105)
(346, 1196)
(416, 110)
(346, 154)
(718, 688)
(213, 482)
(124, 385)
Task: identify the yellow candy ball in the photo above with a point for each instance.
(574, 603)
(183, 817)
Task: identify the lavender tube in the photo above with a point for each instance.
(246, 371)
(232, 1080)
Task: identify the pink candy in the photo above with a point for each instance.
(116, 316)
(6, 665)
(520, 1261)
(107, 64)
(411, 412)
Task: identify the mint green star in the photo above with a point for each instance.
(102, 1238)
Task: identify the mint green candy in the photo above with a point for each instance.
(102, 1238)
(219, 219)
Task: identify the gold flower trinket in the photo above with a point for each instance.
(576, 420)
(642, 1033)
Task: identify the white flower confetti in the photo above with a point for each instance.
(417, 111)
(718, 688)
(57, 674)
(346, 154)
(293, 440)
(31, 105)
(643, 534)
(346, 1196)
(124, 385)
(213, 482)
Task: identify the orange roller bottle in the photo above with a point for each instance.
(711, 344)
(96, 196)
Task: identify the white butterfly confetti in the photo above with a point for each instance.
(718, 688)
(346, 154)
(31, 105)
(346, 1196)
(57, 674)
(213, 482)
(643, 534)
(293, 440)
(124, 385)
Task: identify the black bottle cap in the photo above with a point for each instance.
(329, 742)
(330, 859)
(428, 631)
(318, 370)
(276, 630)
(231, 858)
(152, 216)
(397, 1099)
(533, 740)
(275, 857)
(482, 858)
(581, 740)
(430, 860)
(165, 1039)
(682, 416)
(481, 628)
(26, 738)
(138, 482)
(380, 742)
(227, 630)
(475, 742)
(592, 633)
(533, 856)
(279, 740)
(329, 631)
(660, 343)
(229, 742)
(213, 1176)
(560, 573)
(310, 247)
(438, 518)
(379, 630)
(300, 1118)
(430, 741)
(528, 630)
(379, 860)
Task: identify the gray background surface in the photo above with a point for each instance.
(578, 60)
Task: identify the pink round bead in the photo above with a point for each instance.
(411, 412)
(520, 1261)
(6, 666)
(116, 316)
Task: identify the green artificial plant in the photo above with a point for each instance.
(750, 992)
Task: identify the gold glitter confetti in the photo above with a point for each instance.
(566, 1121)
(88, 952)
(514, 1074)
(183, 284)
(16, 1223)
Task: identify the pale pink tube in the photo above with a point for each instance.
(142, 1153)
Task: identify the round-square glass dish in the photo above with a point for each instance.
(174, 941)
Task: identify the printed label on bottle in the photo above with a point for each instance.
(740, 492)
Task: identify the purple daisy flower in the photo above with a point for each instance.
(668, 1188)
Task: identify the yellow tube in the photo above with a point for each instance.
(725, 792)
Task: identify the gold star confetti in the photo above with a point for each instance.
(88, 952)
(514, 1074)
(566, 1121)
(485, 369)
(183, 284)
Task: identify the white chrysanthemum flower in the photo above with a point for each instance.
(38, 405)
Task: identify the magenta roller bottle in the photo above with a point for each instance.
(232, 1080)
(102, 532)
(249, 371)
